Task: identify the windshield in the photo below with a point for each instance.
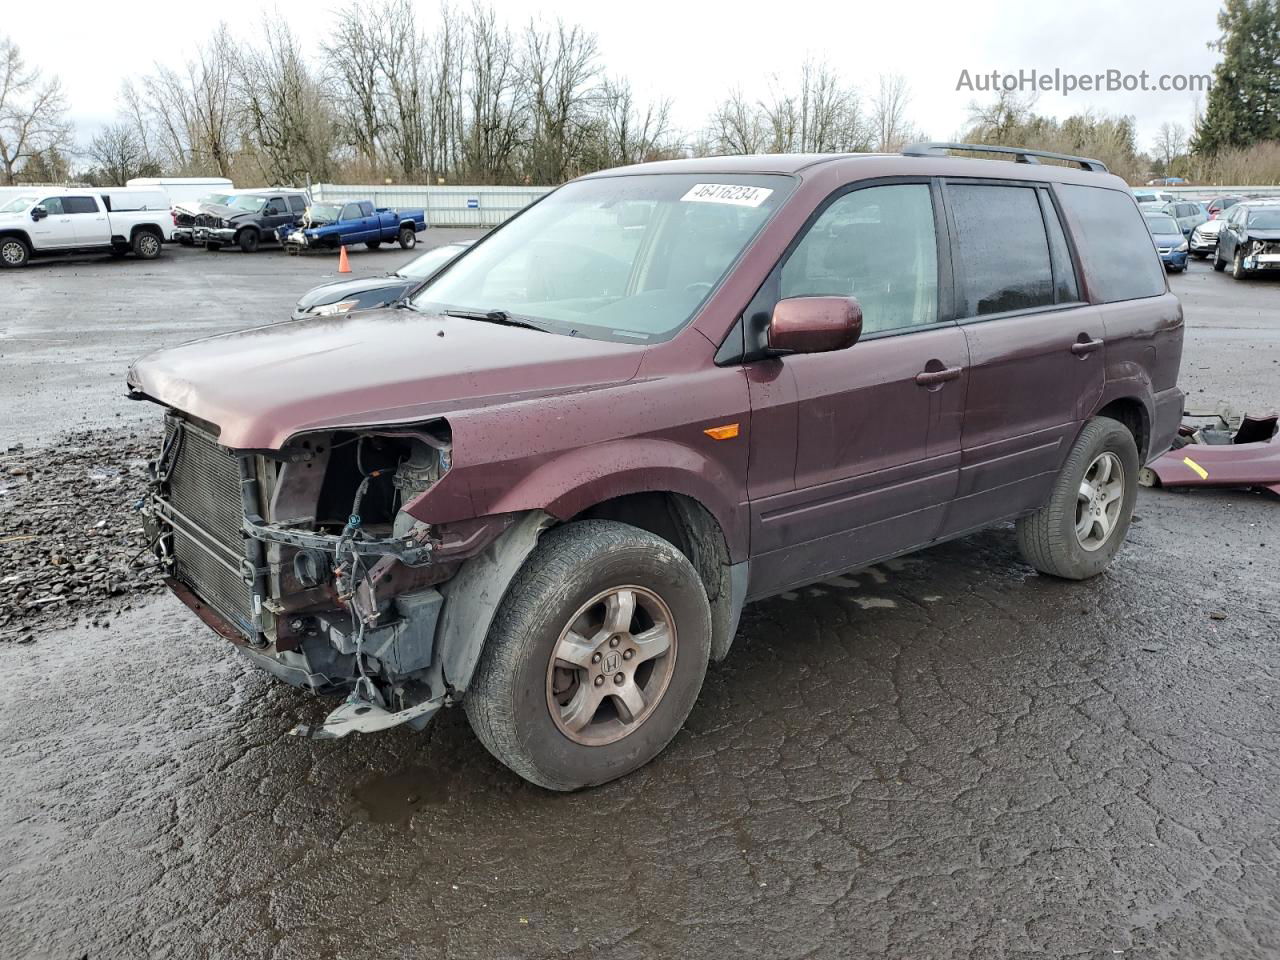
(431, 261)
(324, 213)
(1265, 219)
(220, 199)
(18, 204)
(1163, 225)
(615, 258)
(252, 204)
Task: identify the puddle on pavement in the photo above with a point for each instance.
(394, 797)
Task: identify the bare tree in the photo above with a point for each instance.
(281, 109)
(824, 115)
(119, 155)
(890, 128)
(1171, 143)
(559, 71)
(492, 125)
(737, 127)
(354, 74)
(32, 112)
(627, 131)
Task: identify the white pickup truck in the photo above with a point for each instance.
(52, 221)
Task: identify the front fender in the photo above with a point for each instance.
(585, 476)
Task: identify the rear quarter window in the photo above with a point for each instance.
(1115, 247)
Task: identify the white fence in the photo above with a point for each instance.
(445, 206)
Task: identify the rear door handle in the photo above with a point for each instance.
(933, 378)
(1082, 348)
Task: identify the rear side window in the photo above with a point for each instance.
(79, 205)
(298, 204)
(1116, 250)
(1001, 250)
(879, 245)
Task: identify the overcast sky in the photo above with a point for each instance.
(695, 51)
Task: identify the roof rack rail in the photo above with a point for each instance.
(1021, 154)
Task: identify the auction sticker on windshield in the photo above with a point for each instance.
(734, 193)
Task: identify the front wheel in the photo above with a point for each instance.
(248, 241)
(1078, 532)
(408, 238)
(1238, 272)
(1218, 263)
(14, 252)
(595, 657)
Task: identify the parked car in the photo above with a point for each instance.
(1220, 205)
(52, 221)
(1153, 196)
(184, 215)
(1204, 239)
(331, 225)
(1189, 214)
(249, 218)
(1249, 239)
(544, 486)
(343, 296)
(1169, 241)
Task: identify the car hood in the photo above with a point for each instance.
(1168, 239)
(1210, 228)
(263, 385)
(343, 289)
(13, 219)
(223, 211)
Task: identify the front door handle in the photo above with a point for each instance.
(1082, 348)
(934, 378)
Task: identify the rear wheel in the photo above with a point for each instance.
(146, 246)
(595, 657)
(1082, 527)
(14, 252)
(247, 240)
(408, 238)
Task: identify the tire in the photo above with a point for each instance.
(572, 579)
(1198, 255)
(211, 245)
(374, 244)
(146, 245)
(14, 252)
(187, 242)
(248, 239)
(1238, 271)
(1176, 269)
(1218, 263)
(1049, 538)
(408, 238)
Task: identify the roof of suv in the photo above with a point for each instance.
(857, 164)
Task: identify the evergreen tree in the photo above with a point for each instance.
(1244, 103)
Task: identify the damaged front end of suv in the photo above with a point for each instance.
(307, 560)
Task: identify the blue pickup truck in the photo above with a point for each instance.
(332, 225)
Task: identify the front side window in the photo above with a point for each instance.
(1001, 250)
(878, 245)
(53, 206)
(1119, 259)
(617, 258)
(351, 211)
(297, 204)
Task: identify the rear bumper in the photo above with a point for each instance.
(1166, 417)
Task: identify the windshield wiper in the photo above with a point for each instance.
(504, 317)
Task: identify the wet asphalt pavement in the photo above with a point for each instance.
(944, 756)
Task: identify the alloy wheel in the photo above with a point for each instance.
(611, 665)
(1099, 501)
(12, 253)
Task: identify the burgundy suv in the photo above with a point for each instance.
(545, 485)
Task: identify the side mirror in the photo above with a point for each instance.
(38, 213)
(815, 324)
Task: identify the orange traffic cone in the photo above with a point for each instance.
(343, 266)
